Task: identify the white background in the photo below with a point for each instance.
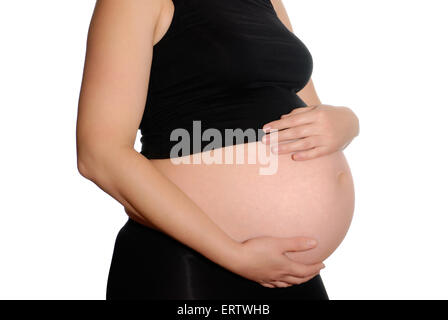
(387, 60)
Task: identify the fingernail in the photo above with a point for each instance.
(266, 129)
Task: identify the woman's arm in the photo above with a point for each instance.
(111, 105)
(112, 100)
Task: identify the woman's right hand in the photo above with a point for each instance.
(262, 260)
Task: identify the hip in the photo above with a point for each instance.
(148, 264)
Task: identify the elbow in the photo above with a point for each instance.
(83, 168)
(87, 161)
(90, 154)
(96, 160)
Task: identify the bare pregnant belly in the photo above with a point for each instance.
(313, 198)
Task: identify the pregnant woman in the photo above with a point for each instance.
(255, 215)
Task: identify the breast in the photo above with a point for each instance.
(230, 64)
(313, 198)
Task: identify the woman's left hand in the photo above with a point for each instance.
(320, 130)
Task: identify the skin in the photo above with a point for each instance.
(111, 104)
(312, 198)
(322, 130)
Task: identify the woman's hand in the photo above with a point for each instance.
(262, 260)
(314, 131)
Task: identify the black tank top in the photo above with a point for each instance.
(230, 64)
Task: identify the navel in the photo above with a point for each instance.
(341, 176)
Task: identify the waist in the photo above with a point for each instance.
(184, 128)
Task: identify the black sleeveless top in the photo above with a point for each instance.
(227, 63)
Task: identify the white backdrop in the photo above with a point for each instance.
(387, 60)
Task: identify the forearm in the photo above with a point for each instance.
(309, 95)
(131, 179)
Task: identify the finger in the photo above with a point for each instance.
(293, 133)
(293, 280)
(289, 122)
(299, 110)
(280, 284)
(300, 145)
(313, 153)
(296, 280)
(297, 244)
(304, 270)
(267, 285)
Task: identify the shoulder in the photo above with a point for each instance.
(133, 12)
(130, 18)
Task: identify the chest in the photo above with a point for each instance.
(233, 42)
